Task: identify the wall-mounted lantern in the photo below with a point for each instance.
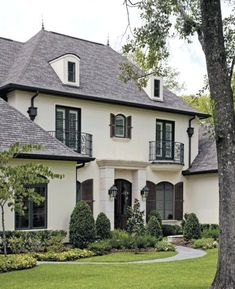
(144, 192)
(113, 192)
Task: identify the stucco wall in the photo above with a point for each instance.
(61, 196)
(202, 197)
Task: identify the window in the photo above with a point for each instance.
(120, 126)
(85, 192)
(71, 71)
(68, 126)
(164, 200)
(35, 216)
(156, 87)
(164, 140)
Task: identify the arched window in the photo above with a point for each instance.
(120, 126)
(85, 192)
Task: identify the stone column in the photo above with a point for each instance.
(107, 203)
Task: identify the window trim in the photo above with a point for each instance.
(127, 120)
(30, 211)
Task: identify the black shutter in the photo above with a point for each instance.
(179, 190)
(151, 199)
(128, 127)
(112, 125)
(87, 192)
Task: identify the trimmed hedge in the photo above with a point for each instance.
(103, 227)
(100, 247)
(16, 262)
(171, 230)
(153, 228)
(33, 241)
(69, 255)
(192, 229)
(82, 226)
(156, 214)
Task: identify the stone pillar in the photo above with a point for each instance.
(139, 181)
(107, 203)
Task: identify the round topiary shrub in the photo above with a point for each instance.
(191, 228)
(156, 214)
(153, 228)
(82, 226)
(103, 226)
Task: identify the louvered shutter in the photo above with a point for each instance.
(128, 127)
(151, 199)
(112, 125)
(179, 190)
(87, 192)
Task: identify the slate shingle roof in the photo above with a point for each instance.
(206, 160)
(29, 66)
(15, 127)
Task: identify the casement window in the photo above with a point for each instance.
(157, 88)
(71, 71)
(85, 192)
(35, 215)
(165, 139)
(166, 199)
(68, 126)
(120, 126)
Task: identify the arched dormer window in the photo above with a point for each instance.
(120, 126)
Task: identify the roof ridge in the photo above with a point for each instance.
(76, 38)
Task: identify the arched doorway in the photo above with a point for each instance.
(122, 202)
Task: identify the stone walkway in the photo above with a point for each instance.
(184, 253)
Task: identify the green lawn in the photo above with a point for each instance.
(188, 274)
(128, 256)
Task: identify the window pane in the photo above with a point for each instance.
(71, 72)
(156, 87)
(39, 210)
(22, 221)
(73, 129)
(60, 124)
(120, 126)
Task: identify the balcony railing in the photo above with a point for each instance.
(78, 141)
(166, 152)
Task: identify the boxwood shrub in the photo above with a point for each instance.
(103, 226)
(100, 247)
(192, 229)
(153, 228)
(171, 230)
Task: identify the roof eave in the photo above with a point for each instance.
(105, 100)
(189, 173)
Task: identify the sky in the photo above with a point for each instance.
(95, 20)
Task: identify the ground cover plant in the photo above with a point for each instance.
(188, 274)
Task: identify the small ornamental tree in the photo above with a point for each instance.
(82, 226)
(103, 226)
(15, 180)
(192, 229)
(135, 221)
(156, 214)
(153, 228)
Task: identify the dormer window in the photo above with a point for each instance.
(154, 88)
(67, 68)
(71, 71)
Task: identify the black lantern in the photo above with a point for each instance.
(113, 192)
(144, 192)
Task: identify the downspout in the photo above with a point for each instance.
(190, 131)
(32, 110)
(77, 168)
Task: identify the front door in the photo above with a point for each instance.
(122, 201)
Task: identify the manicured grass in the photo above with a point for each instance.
(188, 274)
(128, 256)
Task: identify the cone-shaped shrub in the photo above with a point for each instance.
(103, 226)
(82, 226)
(156, 214)
(191, 228)
(153, 228)
(135, 221)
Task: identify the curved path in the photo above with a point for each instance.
(184, 253)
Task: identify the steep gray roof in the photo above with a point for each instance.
(29, 68)
(15, 127)
(206, 160)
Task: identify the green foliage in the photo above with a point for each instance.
(100, 247)
(135, 221)
(210, 231)
(68, 255)
(16, 262)
(191, 228)
(103, 226)
(205, 243)
(121, 240)
(16, 181)
(153, 228)
(33, 241)
(171, 230)
(164, 246)
(144, 241)
(82, 226)
(156, 214)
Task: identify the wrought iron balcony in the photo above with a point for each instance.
(78, 141)
(166, 152)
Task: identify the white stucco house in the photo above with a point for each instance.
(65, 94)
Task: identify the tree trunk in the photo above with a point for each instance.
(4, 241)
(222, 96)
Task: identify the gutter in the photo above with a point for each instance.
(188, 173)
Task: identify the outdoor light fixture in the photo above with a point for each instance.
(190, 131)
(144, 192)
(113, 192)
